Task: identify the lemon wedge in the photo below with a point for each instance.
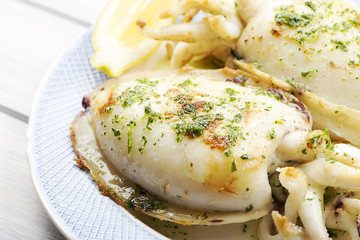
(117, 42)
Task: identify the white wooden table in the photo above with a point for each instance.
(33, 35)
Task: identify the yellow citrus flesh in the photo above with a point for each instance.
(117, 42)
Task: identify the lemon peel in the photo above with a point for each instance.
(117, 43)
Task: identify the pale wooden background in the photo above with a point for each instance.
(33, 34)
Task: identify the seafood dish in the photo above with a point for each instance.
(268, 131)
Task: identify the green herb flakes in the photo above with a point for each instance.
(233, 166)
(246, 157)
(116, 133)
(249, 208)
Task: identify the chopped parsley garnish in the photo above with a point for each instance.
(193, 129)
(249, 208)
(130, 205)
(115, 119)
(304, 74)
(148, 110)
(190, 109)
(258, 66)
(131, 126)
(108, 109)
(146, 81)
(340, 45)
(150, 120)
(272, 134)
(204, 216)
(246, 157)
(219, 116)
(208, 106)
(185, 83)
(146, 204)
(237, 118)
(327, 139)
(116, 133)
(230, 91)
(293, 19)
(331, 160)
(233, 166)
(228, 152)
(143, 138)
(233, 132)
(314, 141)
(152, 116)
(310, 5)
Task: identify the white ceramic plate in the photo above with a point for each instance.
(69, 194)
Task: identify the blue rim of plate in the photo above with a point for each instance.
(69, 195)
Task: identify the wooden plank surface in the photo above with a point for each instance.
(22, 215)
(84, 10)
(34, 34)
(31, 41)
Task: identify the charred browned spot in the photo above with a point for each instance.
(292, 172)
(168, 115)
(357, 17)
(246, 41)
(309, 50)
(275, 32)
(246, 115)
(173, 92)
(110, 102)
(282, 223)
(80, 160)
(189, 105)
(216, 221)
(213, 124)
(80, 163)
(221, 143)
(197, 93)
(199, 104)
(141, 23)
(314, 142)
(215, 141)
(260, 38)
(332, 64)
